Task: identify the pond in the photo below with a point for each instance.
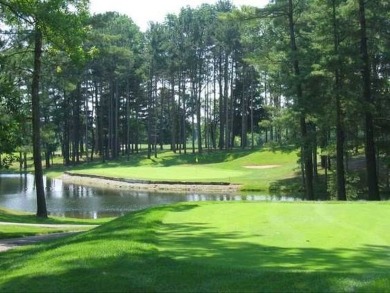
(17, 192)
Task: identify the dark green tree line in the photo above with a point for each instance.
(211, 77)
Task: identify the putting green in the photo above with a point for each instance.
(180, 173)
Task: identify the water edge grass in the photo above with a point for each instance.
(16, 224)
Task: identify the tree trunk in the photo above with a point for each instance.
(172, 120)
(116, 143)
(252, 122)
(214, 119)
(340, 132)
(41, 200)
(184, 116)
(194, 97)
(198, 111)
(226, 101)
(155, 116)
(127, 120)
(244, 112)
(231, 106)
(86, 112)
(305, 145)
(372, 176)
(221, 107)
(149, 118)
(76, 125)
(47, 156)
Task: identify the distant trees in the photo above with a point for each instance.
(195, 60)
(211, 77)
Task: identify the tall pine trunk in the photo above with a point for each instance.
(40, 191)
(340, 132)
(221, 143)
(372, 176)
(172, 110)
(198, 110)
(305, 145)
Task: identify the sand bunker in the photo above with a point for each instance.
(261, 166)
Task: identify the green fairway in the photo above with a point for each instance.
(254, 170)
(216, 247)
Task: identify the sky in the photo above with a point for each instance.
(143, 11)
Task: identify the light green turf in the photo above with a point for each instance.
(216, 247)
(17, 230)
(174, 173)
(229, 167)
(11, 216)
(303, 236)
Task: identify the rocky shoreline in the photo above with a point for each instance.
(146, 185)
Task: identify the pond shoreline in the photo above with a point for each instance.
(146, 185)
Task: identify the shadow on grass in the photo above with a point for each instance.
(33, 219)
(167, 159)
(140, 253)
(293, 187)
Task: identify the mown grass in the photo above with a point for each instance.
(11, 216)
(219, 166)
(215, 247)
(16, 229)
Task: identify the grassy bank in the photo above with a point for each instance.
(27, 218)
(17, 228)
(19, 231)
(254, 170)
(317, 247)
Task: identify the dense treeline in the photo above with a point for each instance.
(309, 73)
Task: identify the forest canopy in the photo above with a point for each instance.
(309, 74)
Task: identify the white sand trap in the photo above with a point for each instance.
(261, 166)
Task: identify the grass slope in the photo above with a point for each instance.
(218, 166)
(319, 247)
(17, 229)
(11, 216)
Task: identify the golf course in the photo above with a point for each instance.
(245, 246)
(194, 146)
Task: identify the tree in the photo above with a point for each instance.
(371, 163)
(57, 22)
(340, 128)
(115, 75)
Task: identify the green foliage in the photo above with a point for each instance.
(7, 160)
(212, 75)
(10, 122)
(353, 186)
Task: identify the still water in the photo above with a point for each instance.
(17, 192)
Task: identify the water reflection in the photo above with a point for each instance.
(17, 192)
